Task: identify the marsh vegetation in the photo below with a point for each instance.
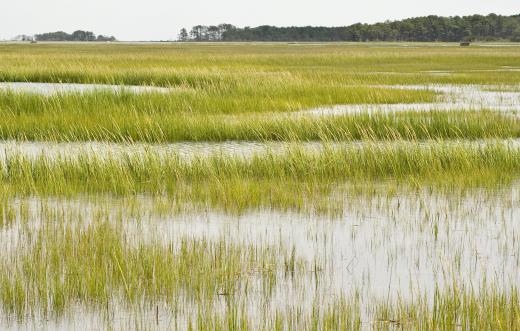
(223, 201)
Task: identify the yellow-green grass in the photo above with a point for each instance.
(236, 92)
(96, 265)
(222, 89)
(238, 100)
(457, 307)
(158, 118)
(222, 64)
(99, 267)
(155, 173)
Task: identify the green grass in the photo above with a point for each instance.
(155, 173)
(203, 65)
(61, 263)
(313, 182)
(245, 97)
(230, 91)
(485, 307)
(167, 118)
(97, 265)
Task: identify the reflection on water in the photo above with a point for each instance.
(386, 247)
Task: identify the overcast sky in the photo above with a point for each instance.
(161, 19)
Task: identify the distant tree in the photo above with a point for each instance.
(213, 33)
(183, 35)
(428, 28)
(23, 37)
(105, 38)
(78, 35)
(198, 33)
(54, 36)
(516, 35)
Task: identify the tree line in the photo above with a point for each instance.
(78, 35)
(429, 28)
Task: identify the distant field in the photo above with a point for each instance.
(259, 186)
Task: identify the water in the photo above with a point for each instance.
(185, 150)
(451, 97)
(55, 88)
(190, 150)
(388, 245)
(385, 246)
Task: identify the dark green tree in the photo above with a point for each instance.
(183, 35)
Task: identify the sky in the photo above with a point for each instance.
(134, 20)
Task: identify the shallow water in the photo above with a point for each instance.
(385, 246)
(185, 150)
(451, 97)
(56, 88)
(189, 150)
(388, 246)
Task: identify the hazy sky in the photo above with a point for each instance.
(161, 19)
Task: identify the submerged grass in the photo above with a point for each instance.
(97, 265)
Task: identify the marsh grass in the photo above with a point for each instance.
(239, 92)
(96, 117)
(483, 307)
(99, 267)
(65, 235)
(250, 97)
(81, 257)
(226, 64)
(234, 182)
(7, 212)
(349, 162)
(96, 265)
